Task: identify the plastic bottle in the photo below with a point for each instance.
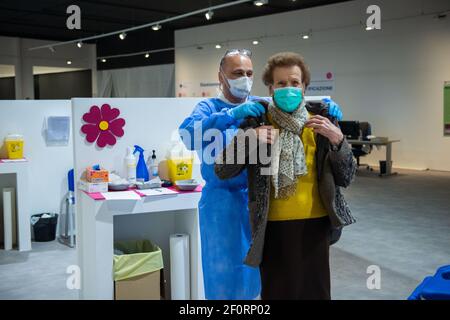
(154, 165)
(130, 161)
(141, 169)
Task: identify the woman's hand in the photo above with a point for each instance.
(266, 134)
(326, 128)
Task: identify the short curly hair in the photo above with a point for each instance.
(285, 59)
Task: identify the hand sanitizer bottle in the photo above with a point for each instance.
(130, 161)
(154, 165)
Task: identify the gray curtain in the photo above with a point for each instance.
(149, 81)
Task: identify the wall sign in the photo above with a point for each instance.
(321, 84)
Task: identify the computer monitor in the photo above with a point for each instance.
(350, 129)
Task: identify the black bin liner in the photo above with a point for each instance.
(45, 228)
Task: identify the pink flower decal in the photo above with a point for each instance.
(103, 125)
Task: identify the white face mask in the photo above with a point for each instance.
(240, 88)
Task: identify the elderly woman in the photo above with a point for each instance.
(295, 208)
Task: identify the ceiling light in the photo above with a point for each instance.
(103, 60)
(209, 15)
(218, 46)
(122, 36)
(369, 28)
(147, 55)
(79, 44)
(260, 3)
(156, 27)
(255, 42)
(69, 62)
(305, 37)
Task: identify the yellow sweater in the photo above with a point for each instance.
(306, 203)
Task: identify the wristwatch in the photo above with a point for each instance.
(338, 147)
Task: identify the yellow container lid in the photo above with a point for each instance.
(14, 137)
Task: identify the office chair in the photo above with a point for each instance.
(350, 129)
(363, 150)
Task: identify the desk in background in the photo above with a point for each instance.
(380, 142)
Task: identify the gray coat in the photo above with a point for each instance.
(335, 169)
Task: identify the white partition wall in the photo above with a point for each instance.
(150, 123)
(41, 181)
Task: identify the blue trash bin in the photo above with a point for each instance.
(436, 287)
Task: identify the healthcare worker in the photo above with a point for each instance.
(224, 223)
(223, 212)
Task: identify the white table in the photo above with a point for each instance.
(377, 142)
(95, 237)
(20, 169)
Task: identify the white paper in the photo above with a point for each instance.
(157, 192)
(13, 160)
(121, 195)
(179, 267)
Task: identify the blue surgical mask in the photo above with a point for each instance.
(288, 99)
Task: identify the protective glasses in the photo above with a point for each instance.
(244, 52)
(232, 52)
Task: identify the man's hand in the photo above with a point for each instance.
(323, 126)
(247, 109)
(266, 134)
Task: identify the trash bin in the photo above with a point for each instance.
(44, 226)
(138, 267)
(383, 166)
(435, 287)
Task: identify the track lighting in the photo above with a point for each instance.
(156, 27)
(260, 3)
(69, 62)
(122, 36)
(218, 46)
(209, 15)
(103, 60)
(147, 55)
(79, 44)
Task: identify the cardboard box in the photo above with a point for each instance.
(144, 287)
(91, 187)
(96, 176)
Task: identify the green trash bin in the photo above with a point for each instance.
(137, 270)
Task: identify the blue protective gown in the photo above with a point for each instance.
(224, 218)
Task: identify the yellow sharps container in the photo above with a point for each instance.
(14, 146)
(180, 168)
